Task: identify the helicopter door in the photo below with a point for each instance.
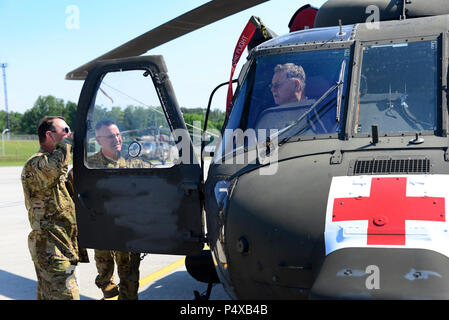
(136, 176)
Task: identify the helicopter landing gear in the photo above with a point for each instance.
(202, 269)
(205, 295)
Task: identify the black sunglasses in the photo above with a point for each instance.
(66, 130)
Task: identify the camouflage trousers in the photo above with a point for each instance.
(127, 268)
(55, 273)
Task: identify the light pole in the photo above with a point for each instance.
(4, 65)
(3, 140)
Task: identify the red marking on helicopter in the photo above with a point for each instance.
(303, 19)
(386, 209)
(244, 39)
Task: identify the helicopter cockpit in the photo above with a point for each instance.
(322, 70)
(319, 113)
(397, 94)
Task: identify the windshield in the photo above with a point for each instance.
(398, 88)
(294, 94)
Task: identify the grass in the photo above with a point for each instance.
(17, 151)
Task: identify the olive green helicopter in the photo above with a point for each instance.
(327, 178)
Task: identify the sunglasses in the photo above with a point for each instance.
(66, 130)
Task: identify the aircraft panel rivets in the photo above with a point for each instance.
(242, 245)
(380, 221)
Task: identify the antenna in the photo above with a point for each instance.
(404, 10)
(341, 28)
(4, 65)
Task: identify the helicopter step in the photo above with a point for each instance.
(202, 269)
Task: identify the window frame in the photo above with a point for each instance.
(152, 83)
(295, 48)
(441, 110)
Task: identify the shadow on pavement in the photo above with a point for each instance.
(178, 286)
(19, 288)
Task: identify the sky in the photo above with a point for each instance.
(41, 41)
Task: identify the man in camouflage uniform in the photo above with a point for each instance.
(109, 138)
(51, 212)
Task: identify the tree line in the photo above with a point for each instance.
(126, 117)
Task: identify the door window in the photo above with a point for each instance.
(126, 125)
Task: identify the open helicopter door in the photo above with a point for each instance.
(147, 200)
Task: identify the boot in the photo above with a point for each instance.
(110, 290)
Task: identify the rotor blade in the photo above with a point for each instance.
(195, 19)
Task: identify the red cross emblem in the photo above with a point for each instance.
(386, 209)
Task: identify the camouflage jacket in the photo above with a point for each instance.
(51, 210)
(98, 161)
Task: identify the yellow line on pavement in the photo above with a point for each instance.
(158, 274)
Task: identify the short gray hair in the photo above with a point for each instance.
(292, 71)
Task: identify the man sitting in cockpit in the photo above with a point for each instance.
(288, 89)
(288, 83)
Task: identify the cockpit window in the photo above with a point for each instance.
(398, 88)
(289, 95)
(286, 86)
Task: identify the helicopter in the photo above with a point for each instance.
(346, 200)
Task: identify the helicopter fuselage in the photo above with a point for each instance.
(283, 235)
(340, 194)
